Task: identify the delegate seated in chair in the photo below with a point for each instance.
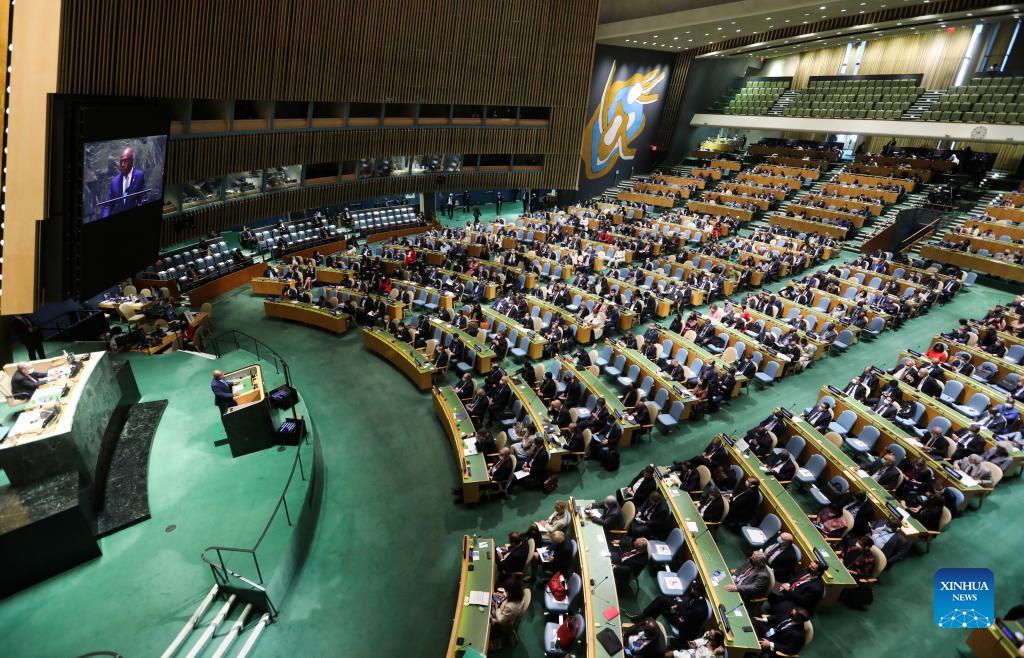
(753, 580)
(629, 562)
(687, 614)
(25, 381)
(782, 634)
(644, 640)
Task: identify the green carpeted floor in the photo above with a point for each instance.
(381, 578)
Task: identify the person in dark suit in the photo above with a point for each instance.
(651, 518)
(30, 335)
(781, 557)
(610, 516)
(639, 488)
(930, 385)
(936, 444)
(644, 640)
(501, 470)
(804, 591)
(686, 614)
(968, 441)
(711, 506)
(129, 181)
(559, 415)
(513, 555)
(714, 455)
(857, 389)
(478, 406)
(466, 387)
(537, 467)
(885, 472)
(744, 501)
(630, 563)
(781, 466)
(820, 417)
(222, 395)
(782, 634)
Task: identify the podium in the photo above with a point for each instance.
(248, 424)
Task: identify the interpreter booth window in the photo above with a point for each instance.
(394, 165)
(321, 173)
(172, 199)
(453, 162)
(427, 164)
(243, 183)
(283, 178)
(364, 168)
(202, 192)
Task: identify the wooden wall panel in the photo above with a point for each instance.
(437, 51)
(472, 52)
(189, 159)
(673, 100)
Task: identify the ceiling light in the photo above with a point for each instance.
(719, 28)
(675, 38)
(768, 18)
(821, 7)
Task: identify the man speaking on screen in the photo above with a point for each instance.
(125, 187)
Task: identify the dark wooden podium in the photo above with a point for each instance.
(248, 424)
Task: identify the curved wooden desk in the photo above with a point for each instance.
(304, 313)
(413, 364)
(459, 428)
(472, 624)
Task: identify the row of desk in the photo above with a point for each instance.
(973, 262)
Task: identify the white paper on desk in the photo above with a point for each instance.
(605, 553)
(475, 555)
(691, 526)
(28, 421)
(469, 447)
(521, 474)
(969, 481)
(480, 598)
(862, 473)
(483, 544)
(738, 612)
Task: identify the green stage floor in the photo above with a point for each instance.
(381, 577)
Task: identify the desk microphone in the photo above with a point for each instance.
(594, 585)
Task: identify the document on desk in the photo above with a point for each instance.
(30, 421)
(469, 447)
(479, 598)
(45, 395)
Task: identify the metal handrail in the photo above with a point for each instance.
(280, 365)
(221, 572)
